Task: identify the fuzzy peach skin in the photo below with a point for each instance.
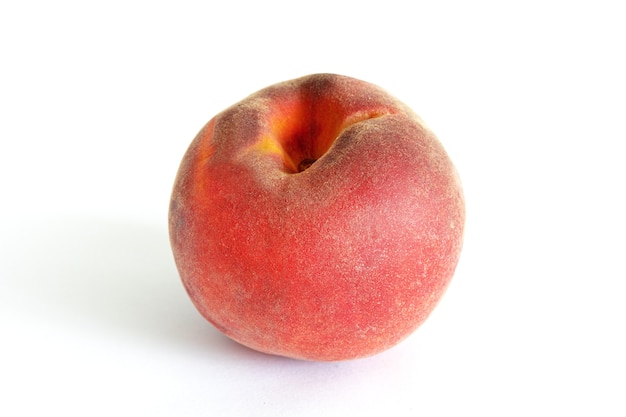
(317, 219)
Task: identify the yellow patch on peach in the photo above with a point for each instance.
(269, 145)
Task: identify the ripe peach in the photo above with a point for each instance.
(317, 219)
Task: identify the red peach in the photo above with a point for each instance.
(318, 219)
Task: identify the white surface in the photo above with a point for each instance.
(98, 104)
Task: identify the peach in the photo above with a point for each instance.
(317, 219)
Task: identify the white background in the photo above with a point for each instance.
(99, 102)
